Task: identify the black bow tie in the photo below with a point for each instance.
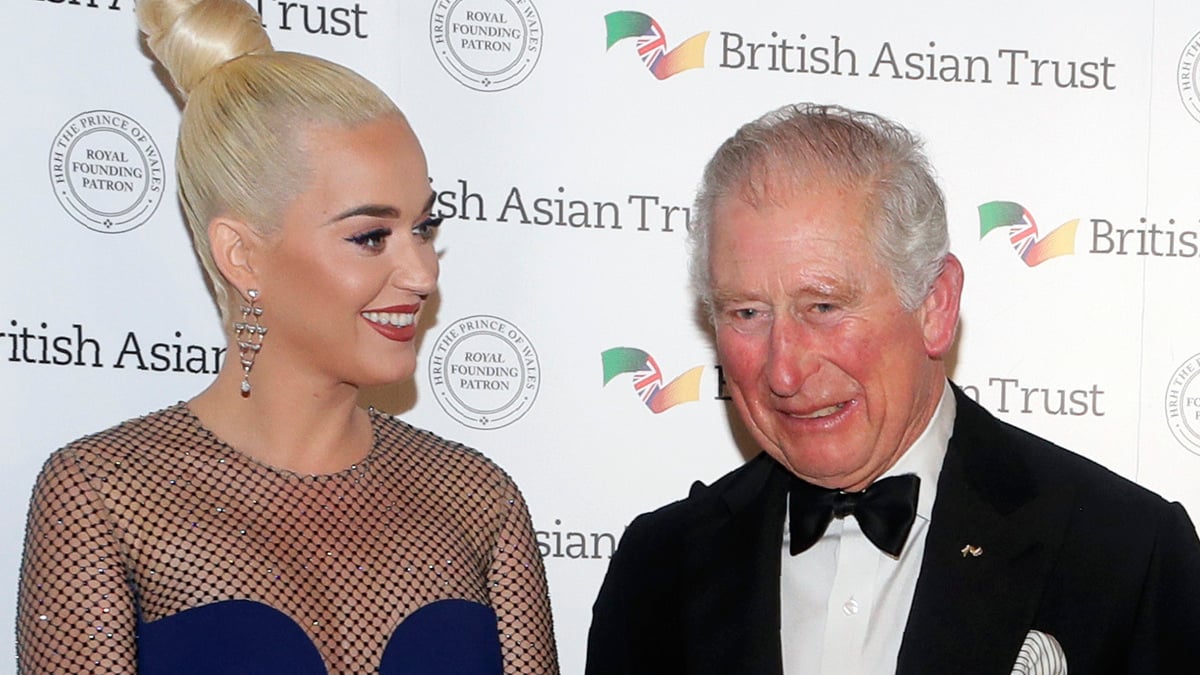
(885, 511)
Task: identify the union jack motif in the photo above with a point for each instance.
(648, 381)
(648, 378)
(1023, 234)
(1030, 244)
(653, 45)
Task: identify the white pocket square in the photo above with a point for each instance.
(1040, 655)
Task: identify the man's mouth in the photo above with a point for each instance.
(823, 412)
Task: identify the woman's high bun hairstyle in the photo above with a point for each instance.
(191, 38)
(240, 141)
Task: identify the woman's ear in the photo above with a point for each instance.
(234, 245)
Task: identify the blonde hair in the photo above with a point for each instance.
(246, 109)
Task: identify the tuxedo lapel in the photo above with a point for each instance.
(993, 536)
(732, 575)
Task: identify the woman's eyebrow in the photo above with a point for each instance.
(372, 210)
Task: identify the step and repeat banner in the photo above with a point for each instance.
(565, 140)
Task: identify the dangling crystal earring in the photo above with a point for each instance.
(249, 337)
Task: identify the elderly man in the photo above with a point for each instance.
(891, 525)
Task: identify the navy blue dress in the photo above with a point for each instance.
(447, 637)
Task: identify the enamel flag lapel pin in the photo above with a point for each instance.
(971, 550)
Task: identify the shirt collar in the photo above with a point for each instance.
(924, 458)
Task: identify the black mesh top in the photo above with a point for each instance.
(157, 516)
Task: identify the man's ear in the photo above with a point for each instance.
(939, 320)
(234, 246)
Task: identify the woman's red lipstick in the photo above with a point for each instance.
(398, 322)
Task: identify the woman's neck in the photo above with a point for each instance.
(286, 422)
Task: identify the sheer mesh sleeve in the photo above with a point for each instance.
(75, 610)
(135, 529)
(517, 589)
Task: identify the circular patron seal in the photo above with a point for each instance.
(1186, 74)
(1183, 404)
(487, 45)
(106, 171)
(484, 371)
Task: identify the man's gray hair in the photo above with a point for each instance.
(806, 145)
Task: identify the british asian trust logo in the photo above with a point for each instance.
(1031, 246)
(484, 372)
(651, 43)
(486, 45)
(106, 171)
(648, 378)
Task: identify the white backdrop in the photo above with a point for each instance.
(565, 168)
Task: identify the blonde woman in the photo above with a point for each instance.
(269, 525)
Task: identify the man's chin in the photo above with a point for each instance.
(825, 465)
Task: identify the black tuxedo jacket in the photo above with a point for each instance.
(1109, 569)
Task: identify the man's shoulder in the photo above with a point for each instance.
(1014, 458)
(704, 502)
(669, 537)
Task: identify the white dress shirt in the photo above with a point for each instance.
(844, 603)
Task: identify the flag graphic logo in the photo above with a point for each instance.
(1031, 245)
(648, 378)
(652, 43)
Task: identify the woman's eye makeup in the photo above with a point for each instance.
(426, 228)
(372, 239)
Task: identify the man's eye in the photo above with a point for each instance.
(371, 239)
(746, 314)
(823, 307)
(427, 228)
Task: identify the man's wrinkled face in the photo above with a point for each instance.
(831, 374)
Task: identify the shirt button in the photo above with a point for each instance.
(851, 607)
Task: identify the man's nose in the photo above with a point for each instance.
(791, 357)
